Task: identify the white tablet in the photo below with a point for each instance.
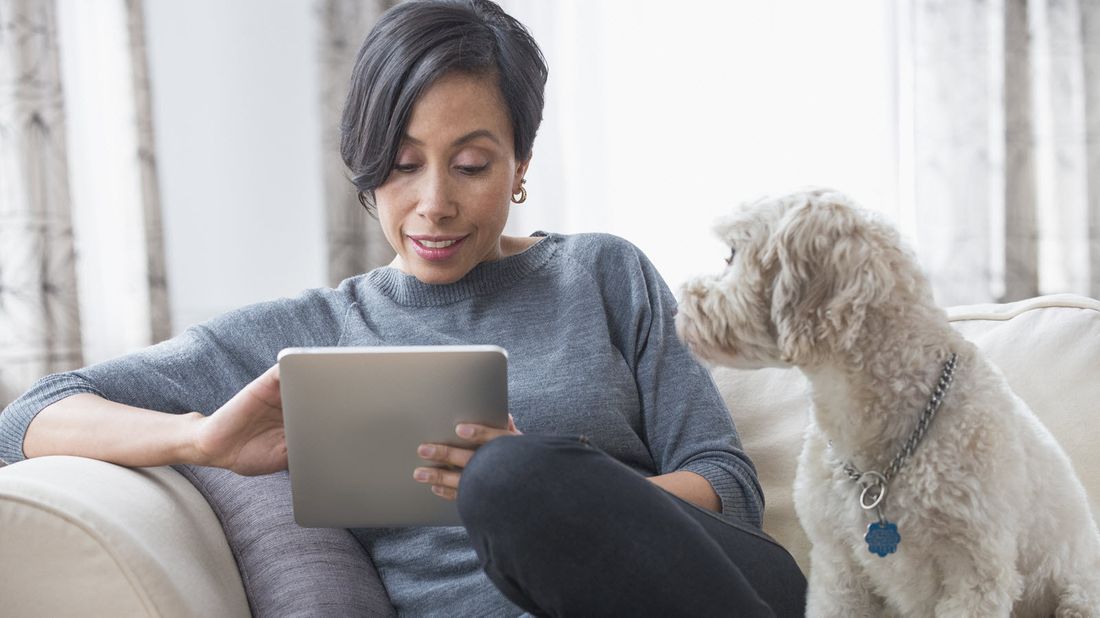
(355, 416)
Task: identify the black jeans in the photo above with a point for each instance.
(563, 529)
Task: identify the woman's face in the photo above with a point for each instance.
(444, 205)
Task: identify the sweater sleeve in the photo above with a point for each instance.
(198, 370)
(687, 425)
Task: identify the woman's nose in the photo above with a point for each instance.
(436, 199)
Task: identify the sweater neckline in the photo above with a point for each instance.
(485, 278)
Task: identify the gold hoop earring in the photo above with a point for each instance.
(522, 193)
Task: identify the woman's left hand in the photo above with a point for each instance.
(445, 481)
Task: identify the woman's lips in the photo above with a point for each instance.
(436, 248)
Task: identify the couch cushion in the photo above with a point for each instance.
(288, 570)
(1048, 348)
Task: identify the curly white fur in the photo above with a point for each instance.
(993, 520)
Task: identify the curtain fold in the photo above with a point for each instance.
(82, 264)
(1006, 177)
(355, 243)
(156, 282)
(1021, 242)
(1090, 43)
(39, 316)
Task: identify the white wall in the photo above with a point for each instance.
(236, 114)
(662, 116)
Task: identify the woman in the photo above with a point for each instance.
(627, 493)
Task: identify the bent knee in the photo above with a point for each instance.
(516, 471)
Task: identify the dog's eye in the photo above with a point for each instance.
(733, 252)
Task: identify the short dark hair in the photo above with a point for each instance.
(412, 45)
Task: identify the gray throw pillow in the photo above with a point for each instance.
(288, 570)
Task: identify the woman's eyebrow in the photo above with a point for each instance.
(472, 135)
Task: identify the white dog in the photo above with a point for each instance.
(992, 519)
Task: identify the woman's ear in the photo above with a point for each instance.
(521, 171)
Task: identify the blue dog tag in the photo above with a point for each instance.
(882, 538)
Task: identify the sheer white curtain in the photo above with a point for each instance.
(969, 123)
(1004, 102)
(354, 240)
(81, 259)
(121, 272)
(662, 116)
(39, 323)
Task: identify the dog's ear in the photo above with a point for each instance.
(829, 270)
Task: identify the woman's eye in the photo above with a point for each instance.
(472, 170)
(733, 252)
(405, 168)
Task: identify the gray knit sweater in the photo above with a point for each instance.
(587, 323)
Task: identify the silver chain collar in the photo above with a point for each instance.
(877, 481)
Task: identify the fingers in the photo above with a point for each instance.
(265, 387)
(271, 375)
(444, 482)
(448, 455)
(457, 456)
(480, 434)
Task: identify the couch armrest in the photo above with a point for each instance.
(84, 537)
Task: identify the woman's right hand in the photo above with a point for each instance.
(246, 434)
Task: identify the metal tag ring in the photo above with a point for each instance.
(876, 480)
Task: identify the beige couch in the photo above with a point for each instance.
(82, 537)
